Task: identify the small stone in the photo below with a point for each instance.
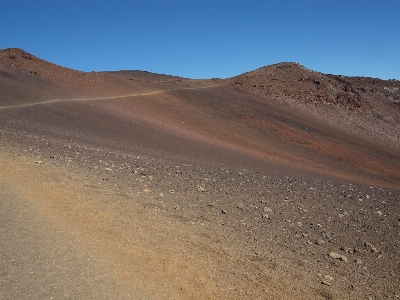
(201, 189)
(320, 242)
(326, 235)
(379, 213)
(325, 282)
(328, 277)
(299, 224)
(266, 216)
(338, 256)
(224, 211)
(371, 246)
(335, 255)
(240, 205)
(146, 191)
(267, 209)
(358, 261)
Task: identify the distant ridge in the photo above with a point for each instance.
(294, 81)
(21, 60)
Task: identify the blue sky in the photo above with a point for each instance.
(205, 39)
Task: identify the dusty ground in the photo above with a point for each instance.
(132, 185)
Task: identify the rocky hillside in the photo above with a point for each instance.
(292, 80)
(367, 107)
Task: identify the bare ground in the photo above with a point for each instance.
(133, 185)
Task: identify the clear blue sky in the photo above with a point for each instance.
(205, 39)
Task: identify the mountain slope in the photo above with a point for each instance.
(244, 116)
(136, 185)
(365, 107)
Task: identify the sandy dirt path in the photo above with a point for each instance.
(102, 98)
(65, 238)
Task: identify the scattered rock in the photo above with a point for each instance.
(267, 209)
(326, 282)
(338, 256)
(201, 189)
(335, 255)
(371, 247)
(326, 235)
(240, 205)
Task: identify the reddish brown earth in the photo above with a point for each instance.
(136, 185)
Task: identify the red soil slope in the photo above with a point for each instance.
(266, 119)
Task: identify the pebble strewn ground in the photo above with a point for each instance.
(339, 238)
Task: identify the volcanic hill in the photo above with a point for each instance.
(278, 183)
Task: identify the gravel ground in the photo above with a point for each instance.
(326, 238)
